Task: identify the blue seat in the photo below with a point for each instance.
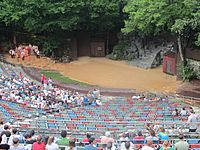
(138, 141)
(193, 141)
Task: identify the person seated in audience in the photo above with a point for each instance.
(6, 132)
(110, 146)
(39, 144)
(139, 136)
(16, 145)
(192, 119)
(152, 136)
(166, 146)
(91, 145)
(51, 145)
(13, 135)
(86, 139)
(172, 130)
(1, 126)
(64, 139)
(148, 126)
(156, 126)
(107, 138)
(135, 97)
(99, 103)
(85, 100)
(127, 145)
(72, 145)
(4, 146)
(148, 146)
(162, 135)
(123, 137)
(183, 112)
(181, 145)
(175, 112)
(28, 141)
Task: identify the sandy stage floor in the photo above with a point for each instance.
(108, 73)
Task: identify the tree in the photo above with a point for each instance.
(186, 24)
(156, 16)
(49, 18)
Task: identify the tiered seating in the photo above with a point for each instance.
(117, 115)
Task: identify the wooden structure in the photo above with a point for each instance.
(83, 44)
(169, 63)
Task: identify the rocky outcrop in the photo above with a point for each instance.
(140, 53)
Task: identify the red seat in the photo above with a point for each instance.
(194, 145)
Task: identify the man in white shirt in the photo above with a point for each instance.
(192, 119)
(183, 112)
(181, 145)
(148, 146)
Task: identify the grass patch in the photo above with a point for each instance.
(59, 77)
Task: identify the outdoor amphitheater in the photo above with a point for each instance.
(119, 118)
(99, 74)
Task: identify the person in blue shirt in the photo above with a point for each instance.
(85, 100)
(91, 145)
(162, 135)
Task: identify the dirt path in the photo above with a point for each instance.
(108, 73)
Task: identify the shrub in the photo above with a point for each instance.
(187, 72)
(119, 50)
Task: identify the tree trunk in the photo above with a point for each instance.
(14, 40)
(180, 48)
(107, 43)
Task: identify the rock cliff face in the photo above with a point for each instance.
(144, 54)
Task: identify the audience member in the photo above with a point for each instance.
(64, 139)
(191, 120)
(13, 135)
(166, 146)
(4, 146)
(162, 135)
(148, 146)
(107, 138)
(86, 139)
(16, 145)
(152, 136)
(39, 144)
(183, 112)
(91, 146)
(139, 136)
(181, 145)
(71, 145)
(51, 145)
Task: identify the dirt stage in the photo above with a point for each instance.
(108, 73)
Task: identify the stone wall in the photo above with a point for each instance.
(141, 53)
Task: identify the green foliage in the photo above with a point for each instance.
(49, 17)
(50, 45)
(145, 17)
(187, 72)
(198, 40)
(118, 50)
(156, 16)
(62, 79)
(52, 15)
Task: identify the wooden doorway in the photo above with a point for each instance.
(97, 49)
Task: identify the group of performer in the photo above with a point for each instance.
(23, 51)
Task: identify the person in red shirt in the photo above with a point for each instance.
(86, 139)
(38, 145)
(20, 76)
(42, 79)
(139, 136)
